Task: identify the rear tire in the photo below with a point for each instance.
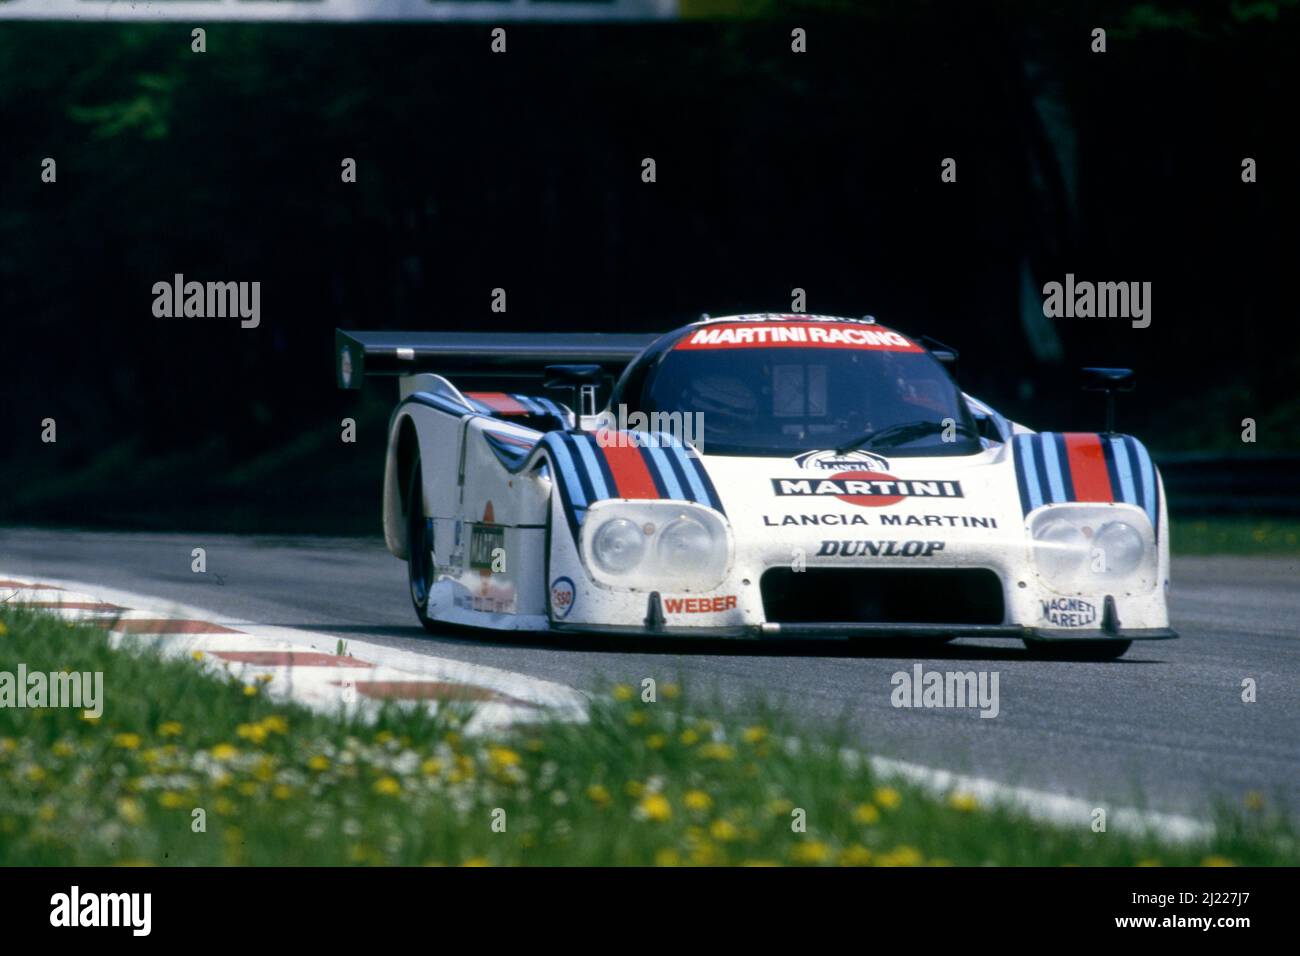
(1078, 650)
(419, 549)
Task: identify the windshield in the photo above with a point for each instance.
(776, 400)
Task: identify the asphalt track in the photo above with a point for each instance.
(1163, 728)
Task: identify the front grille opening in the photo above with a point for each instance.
(882, 596)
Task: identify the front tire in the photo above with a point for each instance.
(1078, 650)
(419, 549)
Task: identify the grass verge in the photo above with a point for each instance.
(1246, 536)
(640, 784)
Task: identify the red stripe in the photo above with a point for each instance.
(140, 625)
(1088, 467)
(499, 402)
(630, 473)
(289, 659)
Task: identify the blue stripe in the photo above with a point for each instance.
(1052, 464)
(439, 402)
(672, 487)
(600, 487)
(1148, 479)
(1123, 471)
(529, 403)
(1025, 454)
(568, 471)
(692, 477)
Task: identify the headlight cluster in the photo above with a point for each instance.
(653, 545)
(1083, 548)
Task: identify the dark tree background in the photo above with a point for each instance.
(522, 171)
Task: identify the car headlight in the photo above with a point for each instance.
(618, 546)
(656, 545)
(1082, 548)
(1117, 549)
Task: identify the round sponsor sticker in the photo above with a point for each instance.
(871, 498)
(562, 597)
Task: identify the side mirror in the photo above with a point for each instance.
(946, 354)
(582, 380)
(1110, 381)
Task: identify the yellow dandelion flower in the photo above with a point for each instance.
(780, 807)
(318, 762)
(1217, 861)
(705, 854)
(717, 751)
(671, 691)
(623, 692)
(197, 655)
(724, 831)
(811, 851)
(3, 630)
(250, 690)
(888, 797)
(170, 728)
(477, 861)
(689, 737)
(866, 814)
(502, 757)
(755, 734)
(965, 802)
(35, 773)
(383, 737)
(254, 732)
(247, 788)
(130, 810)
(275, 724)
(451, 739)
(655, 806)
(598, 795)
(282, 791)
(46, 813)
(667, 857)
(62, 748)
(656, 742)
(126, 741)
(856, 855)
(265, 678)
(637, 718)
(902, 856)
(171, 800)
(225, 752)
(224, 806)
(697, 800)
(387, 787)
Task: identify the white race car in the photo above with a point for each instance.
(766, 475)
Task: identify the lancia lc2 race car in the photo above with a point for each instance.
(783, 476)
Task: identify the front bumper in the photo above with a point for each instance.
(853, 630)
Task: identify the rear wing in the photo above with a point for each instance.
(485, 354)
